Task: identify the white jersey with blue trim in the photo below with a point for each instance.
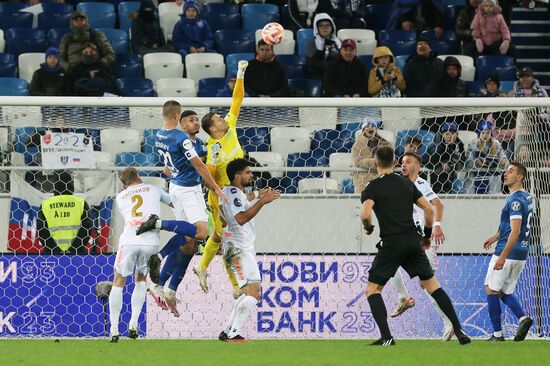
(239, 236)
(426, 189)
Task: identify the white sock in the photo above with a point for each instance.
(243, 312)
(115, 305)
(446, 322)
(138, 298)
(233, 312)
(399, 285)
(498, 334)
(158, 224)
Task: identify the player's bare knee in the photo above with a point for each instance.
(490, 291)
(373, 288)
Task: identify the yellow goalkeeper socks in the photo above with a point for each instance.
(210, 250)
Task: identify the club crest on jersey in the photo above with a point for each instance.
(233, 190)
(187, 144)
(516, 205)
(237, 202)
(216, 148)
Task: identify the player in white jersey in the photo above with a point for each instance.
(411, 168)
(238, 243)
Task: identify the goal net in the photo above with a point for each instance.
(312, 252)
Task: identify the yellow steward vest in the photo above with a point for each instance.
(63, 215)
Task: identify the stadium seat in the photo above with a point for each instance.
(155, 72)
(11, 7)
(204, 65)
(8, 67)
(232, 61)
(13, 87)
(506, 85)
(21, 137)
(29, 63)
(427, 138)
(176, 87)
(161, 58)
(326, 142)
(318, 118)
(208, 87)
(269, 159)
(367, 62)
(387, 35)
(221, 16)
(170, 7)
(474, 88)
(399, 47)
(286, 47)
(400, 61)
(138, 159)
(254, 138)
(448, 35)
(468, 73)
(286, 140)
(464, 60)
(303, 36)
(116, 140)
(234, 41)
(100, 15)
(304, 87)
(340, 161)
(15, 20)
(53, 20)
(55, 35)
(2, 41)
(127, 66)
(25, 40)
(451, 15)
(169, 15)
(487, 65)
(255, 16)
(306, 159)
(445, 46)
(135, 87)
(318, 186)
(377, 16)
(294, 65)
(126, 8)
(348, 186)
(56, 8)
(118, 39)
(364, 38)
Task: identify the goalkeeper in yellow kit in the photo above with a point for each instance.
(222, 147)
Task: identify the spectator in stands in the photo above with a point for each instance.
(147, 36)
(63, 221)
(523, 155)
(413, 144)
(349, 13)
(527, 85)
(421, 69)
(492, 87)
(385, 79)
(49, 79)
(346, 76)
(486, 155)
(504, 122)
(265, 76)
(302, 12)
(491, 35)
(323, 47)
(447, 158)
(71, 44)
(362, 153)
(418, 15)
(90, 77)
(464, 21)
(449, 83)
(191, 33)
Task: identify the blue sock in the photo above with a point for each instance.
(494, 312)
(179, 227)
(173, 244)
(179, 271)
(512, 302)
(168, 267)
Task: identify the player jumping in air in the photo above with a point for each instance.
(510, 254)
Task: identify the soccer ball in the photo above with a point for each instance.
(273, 33)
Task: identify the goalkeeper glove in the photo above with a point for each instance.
(242, 68)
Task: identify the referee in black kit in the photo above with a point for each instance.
(392, 196)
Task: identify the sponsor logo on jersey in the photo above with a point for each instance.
(516, 205)
(187, 144)
(237, 203)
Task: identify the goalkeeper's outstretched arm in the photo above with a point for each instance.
(238, 91)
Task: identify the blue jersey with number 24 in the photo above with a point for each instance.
(519, 205)
(176, 149)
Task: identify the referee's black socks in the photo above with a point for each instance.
(378, 309)
(445, 304)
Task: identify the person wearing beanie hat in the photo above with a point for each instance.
(191, 33)
(385, 79)
(346, 76)
(147, 36)
(323, 47)
(49, 80)
(492, 87)
(421, 69)
(447, 158)
(449, 84)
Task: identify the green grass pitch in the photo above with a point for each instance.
(86, 352)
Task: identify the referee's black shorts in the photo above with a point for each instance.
(404, 250)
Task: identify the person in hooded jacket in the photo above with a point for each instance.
(346, 76)
(191, 33)
(449, 83)
(147, 36)
(323, 47)
(421, 69)
(385, 79)
(90, 77)
(464, 21)
(49, 79)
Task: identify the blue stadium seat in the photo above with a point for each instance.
(347, 184)
(22, 134)
(294, 65)
(8, 66)
(254, 138)
(221, 16)
(118, 38)
(25, 40)
(53, 20)
(100, 15)
(327, 141)
(59, 8)
(367, 62)
(54, 36)
(15, 20)
(135, 87)
(126, 8)
(446, 47)
(304, 87)
(126, 66)
(234, 41)
(427, 138)
(506, 85)
(400, 61)
(232, 61)
(377, 16)
(208, 87)
(451, 15)
(138, 159)
(255, 16)
(306, 160)
(474, 88)
(396, 35)
(9, 7)
(303, 36)
(486, 65)
(448, 35)
(400, 47)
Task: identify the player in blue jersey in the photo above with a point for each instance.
(183, 154)
(510, 254)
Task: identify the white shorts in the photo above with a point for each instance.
(188, 203)
(133, 258)
(244, 266)
(431, 253)
(504, 280)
